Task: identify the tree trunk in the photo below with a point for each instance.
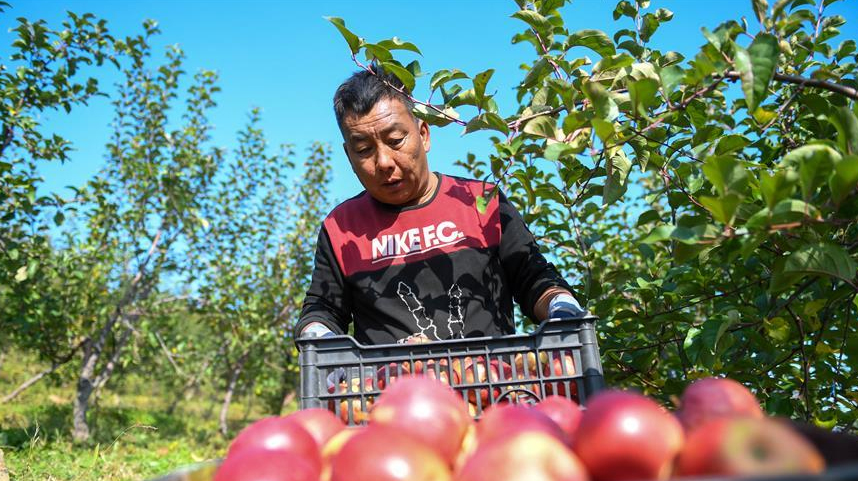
(233, 381)
(80, 428)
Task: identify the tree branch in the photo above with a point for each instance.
(807, 82)
(54, 366)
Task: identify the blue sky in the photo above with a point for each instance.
(284, 57)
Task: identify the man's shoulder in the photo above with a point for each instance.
(350, 206)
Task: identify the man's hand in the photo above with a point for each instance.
(564, 305)
(316, 329)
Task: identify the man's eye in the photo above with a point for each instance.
(395, 141)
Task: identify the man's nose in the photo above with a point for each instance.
(384, 160)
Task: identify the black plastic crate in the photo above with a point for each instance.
(516, 368)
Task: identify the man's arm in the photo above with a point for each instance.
(539, 289)
(327, 305)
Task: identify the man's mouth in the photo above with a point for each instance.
(392, 183)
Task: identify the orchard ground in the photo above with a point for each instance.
(135, 438)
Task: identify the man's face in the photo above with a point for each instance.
(387, 149)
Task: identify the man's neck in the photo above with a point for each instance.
(430, 189)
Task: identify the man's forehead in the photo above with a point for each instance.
(376, 120)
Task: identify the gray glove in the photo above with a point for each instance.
(564, 305)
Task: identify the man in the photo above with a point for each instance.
(411, 258)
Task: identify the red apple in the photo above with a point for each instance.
(388, 374)
(278, 434)
(562, 366)
(478, 371)
(626, 436)
(713, 397)
(382, 453)
(427, 410)
(564, 412)
(258, 464)
(744, 446)
(320, 423)
(350, 406)
(499, 421)
(527, 455)
(333, 446)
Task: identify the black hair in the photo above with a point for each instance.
(360, 92)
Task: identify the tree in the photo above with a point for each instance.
(44, 73)
(740, 257)
(174, 253)
(254, 261)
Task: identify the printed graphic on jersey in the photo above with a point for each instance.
(425, 323)
(415, 241)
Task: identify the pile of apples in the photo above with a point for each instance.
(482, 381)
(420, 429)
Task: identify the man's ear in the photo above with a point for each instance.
(425, 137)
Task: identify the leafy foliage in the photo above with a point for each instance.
(705, 207)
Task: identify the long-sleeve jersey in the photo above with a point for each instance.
(441, 269)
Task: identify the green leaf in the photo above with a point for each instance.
(760, 9)
(443, 76)
(480, 82)
(670, 76)
(813, 163)
(625, 8)
(482, 203)
(353, 40)
(726, 174)
(487, 120)
(778, 329)
(433, 117)
(535, 20)
(401, 73)
(643, 95)
(543, 126)
(846, 123)
(596, 40)
(604, 130)
(615, 183)
(844, 178)
(731, 143)
(821, 259)
(649, 24)
(756, 68)
(557, 150)
(396, 44)
(777, 186)
(601, 100)
(614, 62)
(647, 217)
(21, 274)
(377, 53)
(723, 208)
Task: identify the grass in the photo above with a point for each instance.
(133, 437)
